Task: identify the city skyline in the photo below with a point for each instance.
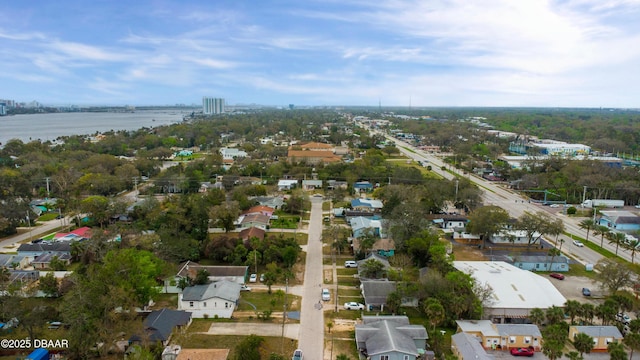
(576, 53)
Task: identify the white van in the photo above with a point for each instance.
(326, 295)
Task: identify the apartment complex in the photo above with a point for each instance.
(211, 106)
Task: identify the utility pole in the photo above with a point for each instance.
(135, 186)
(47, 179)
(584, 195)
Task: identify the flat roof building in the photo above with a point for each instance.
(515, 291)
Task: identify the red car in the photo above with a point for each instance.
(557, 276)
(522, 352)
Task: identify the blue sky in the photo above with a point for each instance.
(583, 53)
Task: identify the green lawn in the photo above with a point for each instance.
(271, 344)
(265, 301)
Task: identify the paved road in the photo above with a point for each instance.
(11, 243)
(515, 204)
(311, 337)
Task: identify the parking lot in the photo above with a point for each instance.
(571, 288)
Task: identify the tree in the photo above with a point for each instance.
(249, 348)
(632, 246)
(573, 355)
(583, 343)
(97, 207)
(587, 312)
(632, 340)
(573, 308)
(616, 351)
(49, 285)
(372, 269)
(329, 326)
(202, 277)
(554, 315)
(534, 225)
(606, 312)
(603, 231)
(367, 240)
(434, 311)
(552, 349)
(587, 224)
(225, 215)
(184, 283)
(487, 221)
(613, 275)
(537, 316)
(616, 238)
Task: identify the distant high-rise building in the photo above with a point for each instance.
(212, 106)
(3, 109)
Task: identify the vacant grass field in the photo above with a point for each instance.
(271, 344)
(265, 301)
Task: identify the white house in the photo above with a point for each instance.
(287, 184)
(230, 153)
(217, 299)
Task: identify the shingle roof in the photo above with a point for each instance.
(252, 232)
(222, 289)
(518, 329)
(600, 331)
(160, 323)
(383, 334)
(376, 292)
(469, 347)
(45, 247)
(190, 268)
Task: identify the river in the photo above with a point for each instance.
(50, 126)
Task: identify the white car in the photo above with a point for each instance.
(297, 355)
(353, 306)
(350, 264)
(244, 287)
(253, 278)
(578, 243)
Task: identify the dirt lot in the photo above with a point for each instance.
(571, 288)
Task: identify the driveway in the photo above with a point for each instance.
(290, 330)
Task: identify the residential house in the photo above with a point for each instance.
(44, 261)
(311, 184)
(450, 222)
(466, 238)
(620, 220)
(232, 153)
(373, 257)
(207, 185)
(159, 325)
(390, 338)
(375, 293)
(602, 335)
(502, 336)
(249, 220)
(516, 237)
(10, 261)
(79, 234)
(467, 347)
(23, 276)
(541, 263)
(216, 299)
(287, 184)
(252, 232)
(275, 202)
(370, 205)
(237, 274)
(335, 184)
(362, 186)
(32, 250)
(260, 209)
(361, 226)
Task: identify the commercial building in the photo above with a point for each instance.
(515, 291)
(211, 106)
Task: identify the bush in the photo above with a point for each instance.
(572, 210)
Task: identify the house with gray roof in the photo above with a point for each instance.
(541, 262)
(602, 335)
(502, 336)
(44, 261)
(467, 347)
(621, 220)
(159, 325)
(390, 338)
(217, 299)
(31, 250)
(11, 261)
(375, 293)
(236, 274)
(275, 202)
(373, 257)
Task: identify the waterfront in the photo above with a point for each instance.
(45, 127)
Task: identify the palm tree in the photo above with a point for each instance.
(587, 224)
(602, 231)
(632, 340)
(573, 308)
(537, 316)
(553, 252)
(583, 343)
(631, 246)
(587, 313)
(616, 238)
(554, 315)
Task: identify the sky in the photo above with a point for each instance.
(547, 53)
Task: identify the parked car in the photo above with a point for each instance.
(623, 318)
(522, 352)
(578, 243)
(244, 287)
(557, 276)
(253, 278)
(353, 306)
(261, 277)
(554, 205)
(586, 292)
(350, 264)
(297, 355)
(326, 295)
